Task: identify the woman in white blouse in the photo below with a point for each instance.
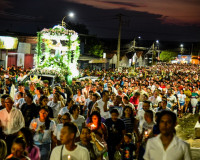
(43, 128)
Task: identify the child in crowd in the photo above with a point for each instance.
(128, 148)
(18, 149)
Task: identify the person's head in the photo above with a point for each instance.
(46, 83)
(43, 101)
(114, 114)
(18, 147)
(155, 94)
(38, 90)
(117, 100)
(95, 118)
(90, 94)
(79, 91)
(148, 116)
(146, 105)
(21, 88)
(70, 102)
(164, 103)
(3, 149)
(68, 133)
(128, 111)
(46, 91)
(167, 122)
(56, 97)
(9, 103)
(95, 97)
(105, 95)
(128, 138)
(27, 134)
(75, 110)
(20, 95)
(43, 113)
(126, 99)
(145, 97)
(66, 118)
(3, 97)
(85, 134)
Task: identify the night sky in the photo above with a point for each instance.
(172, 20)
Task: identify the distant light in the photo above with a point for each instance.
(157, 41)
(104, 55)
(139, 37)
(181, 45)
(71, 14)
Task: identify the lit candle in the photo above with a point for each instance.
(146, 134)
(92, 126)
(34, 124)
(68, 157)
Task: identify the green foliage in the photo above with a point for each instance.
(96, 50)
(94, 47)
(167, 56)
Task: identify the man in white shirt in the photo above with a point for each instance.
(11, 121)
(69, 150)
(103, 104)
(166, 146)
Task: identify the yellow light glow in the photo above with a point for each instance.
(8, 42)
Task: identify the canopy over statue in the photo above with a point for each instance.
(58, 51)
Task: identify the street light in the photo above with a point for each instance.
(71, 15)
(181, 45)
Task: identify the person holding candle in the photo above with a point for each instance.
(69, 150)
(18, 150)
(32, 150)
(43, 128)
(95, 147)
(97, 126)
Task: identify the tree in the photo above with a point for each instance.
(167, 55)
(94, 47)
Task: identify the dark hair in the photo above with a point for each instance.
(132, 116)
(114, 111)
(167, 112)
(28, 135)
(47, 120)
(72, 128)
(129, 135)
(40, 89)
(21, 94)
(4, 96)
(150, 113)
(126, 98)
(41, 99)
(104, 92)
(30, 95)
(96, 113)
(148, 102)
(20, 140)
(137, 94)
(73, 108)
(95, 95)
(67, 114)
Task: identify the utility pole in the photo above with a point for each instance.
(119, 39)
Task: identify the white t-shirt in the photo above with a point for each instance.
(79, 121)
(55, 107)
(177, 150)
(42, 138)
(181, 98)
(100, 105)
(80, 153)
(63, 111)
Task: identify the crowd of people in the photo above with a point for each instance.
(125, 115)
